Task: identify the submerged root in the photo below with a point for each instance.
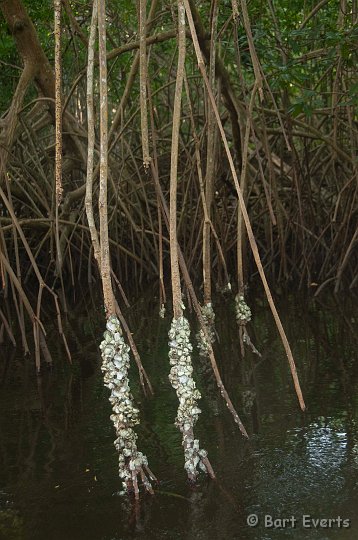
(205, 367)
(188, 411)
(209, 320)
(115, 363)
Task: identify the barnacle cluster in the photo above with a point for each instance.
(243, 312)
(182, 381)
(209, 320)
(115, 364)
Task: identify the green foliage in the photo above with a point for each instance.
(280, 42)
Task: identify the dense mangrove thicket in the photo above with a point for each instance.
(293, 137)
(187, 145)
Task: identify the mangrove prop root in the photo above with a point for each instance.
(115, 364)
(243, 316)
(188, 411)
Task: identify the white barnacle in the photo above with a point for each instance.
(108, 350)
(113, 324)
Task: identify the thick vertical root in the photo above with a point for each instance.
(115, 364)
(188, 411)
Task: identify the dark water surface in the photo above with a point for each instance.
(58, 466)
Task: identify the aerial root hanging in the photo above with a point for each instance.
(115, 364)
(181, 379)
(209, 320)
(204, 364)
(243, 316)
